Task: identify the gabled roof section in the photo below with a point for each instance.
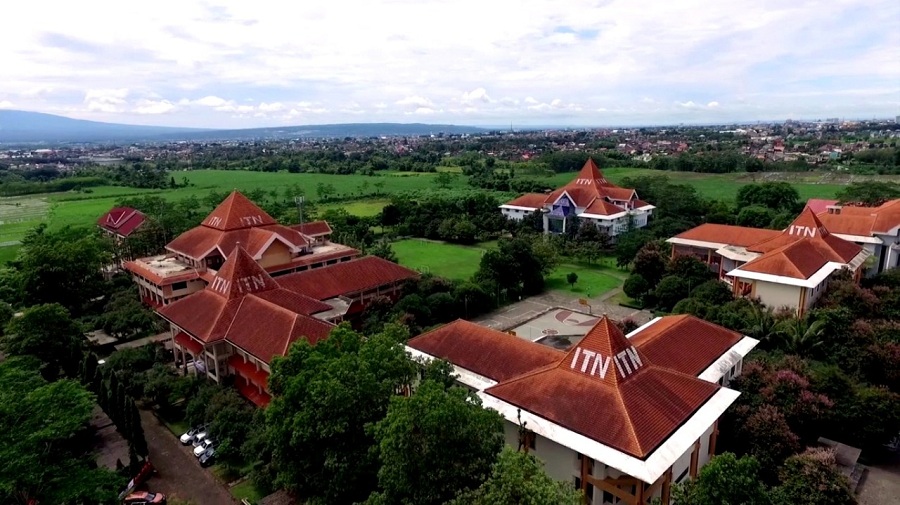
(204, 314)
(528, 200)
(490, 353)
(590, 185)
(601, 207)
(808, 227)
(740, 236)
(607, 390)
(121, 220)
(346, 278)
(240, 275)
(313, 228)
(236, 212)
(684, 343)
(799, 260)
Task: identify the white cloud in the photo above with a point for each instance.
(6, 104)
(145, 106)
(212, 101)
(588, 55)
(416, 101)
(425, 111)
(271, 107)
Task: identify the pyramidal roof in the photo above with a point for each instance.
(807, 227)
(605, 354)
(240, 275)
(236, 212)
(590, 175)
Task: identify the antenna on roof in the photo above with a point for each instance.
(299, 201)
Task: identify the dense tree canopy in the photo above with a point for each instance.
(48, 333)
(725, 480)
(45, 447)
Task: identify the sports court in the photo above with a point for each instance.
(559, 328)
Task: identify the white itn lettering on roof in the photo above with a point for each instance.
(626, 362)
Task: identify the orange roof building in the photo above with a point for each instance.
(626, 416)
(590, 197)
(877, 229)
(194, 256)
(783, 269)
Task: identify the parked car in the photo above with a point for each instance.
(144, 498)
(207, 443)
(208, 457)
(188, 436)
(198, 438)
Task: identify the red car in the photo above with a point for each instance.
(144, 498)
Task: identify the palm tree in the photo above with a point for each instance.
(798, 335)
(762, 324)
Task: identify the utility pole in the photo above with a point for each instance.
(299, 201)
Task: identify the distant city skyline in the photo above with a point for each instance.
(525, 63)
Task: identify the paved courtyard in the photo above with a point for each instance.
(518, 314)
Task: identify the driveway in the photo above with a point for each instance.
(180, 475)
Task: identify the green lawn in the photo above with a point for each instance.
(439, 258)
(246, 490)
(362, 208)
(593, 280)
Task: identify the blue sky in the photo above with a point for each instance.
(256, 63)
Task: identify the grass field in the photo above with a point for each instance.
(246, 490)
(461, 262)
(446, 260)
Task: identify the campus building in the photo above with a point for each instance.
(877, 229)
(193, 258)
(119, 224)
(244, 317)
(590, 197)
(621, 417)
(787, 268)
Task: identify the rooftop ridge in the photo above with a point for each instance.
(235, 212)
(606, 353)
(241, 274)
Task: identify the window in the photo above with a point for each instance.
(682, 476)
(589, 489)
(179, 285)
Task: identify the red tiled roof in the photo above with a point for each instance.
(493, 354)
(346, 278)
(121, 220)
(265, 329)
(684, 343)
(185, 340)
(236, 212)
(240, 275)
(198, 242)
(310, 259)
(799, 260)
(639, 203)
(603, 208)
(249, 371)
(589, 185)
(314, 228)
(608, 391)
(887, 216)
(529, 200)
(295, 302)
(203, 314)
(848, 224)
(740, 236)
(808, 227)
(818, 205)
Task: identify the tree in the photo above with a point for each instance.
(421, 428)
(767, 436)
(324, 397)
(714, 292)
(812, 478)
(650, 262)
(44, 443)
(755, 216)
(629, 243)
(799, 335)
(872, 193)
(692, 270)
(383, 250)
(124, 315)
(518, 478)
(670, 291)
(444, 180)
(48, 333)
(770, 195)
(725, 480)
(762, 324)
(636, 286)
(572, 278)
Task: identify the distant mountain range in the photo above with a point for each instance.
(23, 127)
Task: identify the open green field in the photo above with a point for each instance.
(446, 260)
(362, 208)
(725, 186)
(461, 262)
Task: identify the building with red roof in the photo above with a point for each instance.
(119, 224)
(783, 269)
(622, 417)
(244, 317)
(193, 257)
(590, 197)
(877, 229)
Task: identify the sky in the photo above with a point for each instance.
(254, 63)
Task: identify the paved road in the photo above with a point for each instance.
(180, 475)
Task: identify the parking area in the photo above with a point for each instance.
(180, 474)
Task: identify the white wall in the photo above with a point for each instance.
(516, 214)
(778, 295)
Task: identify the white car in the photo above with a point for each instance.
(204, 445)
(188, 437)
(198, 438)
